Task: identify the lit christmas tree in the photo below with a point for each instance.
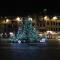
(26, 32)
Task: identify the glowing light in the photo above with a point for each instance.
(42, 40)
(58, 39)
(30, 19)
(49, 32)
(41, 35)
(7, 20)
(19, 41)
(11, 34)
(46, 18)
(18, 19)
(29, 29)
(55, 17)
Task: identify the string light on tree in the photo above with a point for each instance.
(30, 19)
(26, 32)
(19, 41)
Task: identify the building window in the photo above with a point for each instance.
(58, 24)
(54, 29)
(47, 23)
(53, 23)
(51, 29)
(43, 25)
(59, 29)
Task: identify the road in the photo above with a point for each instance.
(23, 51)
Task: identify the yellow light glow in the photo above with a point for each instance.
(55, 17)
(49, 32)
(18, 19)
(46, 18)
(7, 20)
(41, 35)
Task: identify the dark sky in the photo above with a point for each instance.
(24, 7)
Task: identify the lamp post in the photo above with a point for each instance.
(4, 29)
(6, 21)
(44, 13)
(45, 17)
(5, 24)
(19, 20)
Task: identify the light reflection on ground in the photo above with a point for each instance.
(23, 51)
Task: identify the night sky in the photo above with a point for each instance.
(25, 7)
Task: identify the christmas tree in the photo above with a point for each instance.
(27, 32)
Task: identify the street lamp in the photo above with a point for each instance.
(46, 18)
(18, 19)
(55, 18)
(7, 20)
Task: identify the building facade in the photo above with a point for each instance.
(48, 25)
